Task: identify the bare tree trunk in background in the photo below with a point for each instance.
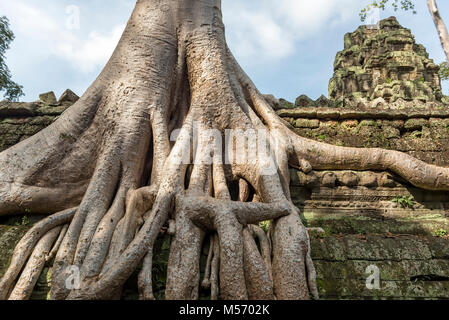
(109, 178)
(440, 25)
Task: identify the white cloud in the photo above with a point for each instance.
(48, 35)
(271, 29)
(90, 54)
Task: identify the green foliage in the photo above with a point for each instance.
(404, 201)
(12, 90)
(265, 225)
(444, 71)
(406, 5)
(441, 233)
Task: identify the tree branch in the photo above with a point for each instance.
(440, 25)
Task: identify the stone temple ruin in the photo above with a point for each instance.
(385, 93)
(384, 65)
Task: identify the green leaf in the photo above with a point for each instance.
(12, 91)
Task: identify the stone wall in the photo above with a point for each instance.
(374, 218)
(365, 224)
(422, 133)
(411, 267)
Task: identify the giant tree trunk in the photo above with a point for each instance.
(109, 177)
(440, 25)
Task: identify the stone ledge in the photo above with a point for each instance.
(345, 114)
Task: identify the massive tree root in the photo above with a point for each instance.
(117, 171)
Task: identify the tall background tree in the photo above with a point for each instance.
(409, 5)
(112, 171)
(12, 91)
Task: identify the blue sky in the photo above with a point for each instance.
(286, 46)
